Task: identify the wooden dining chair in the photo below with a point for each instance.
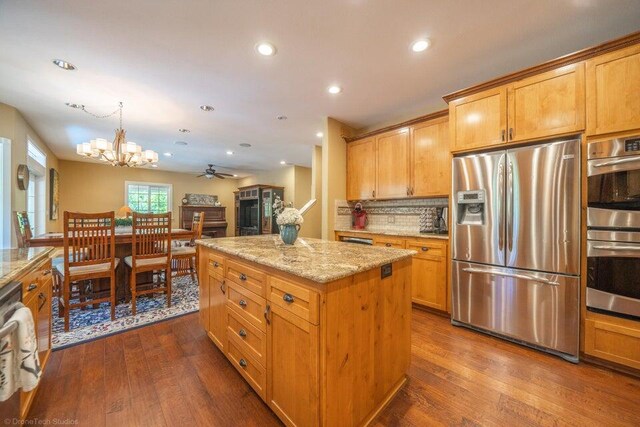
(23, 228)
(151, 252)
(89, 254)
(183, 258)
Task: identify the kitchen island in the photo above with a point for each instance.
(319, 329)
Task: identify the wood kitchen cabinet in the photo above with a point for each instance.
(392, 160)
(612, 338)
(217, 313)
(478, 120)
(613, 91)
(430, 159)
(389, 242)
(361, 169)
(429, 277)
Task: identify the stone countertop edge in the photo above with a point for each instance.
(305, 271)
(23, 264)
(395, 233)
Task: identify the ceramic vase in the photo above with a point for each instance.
(289, 233)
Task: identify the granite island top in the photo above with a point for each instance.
(395, 233)
(16, 262)
(321, 261)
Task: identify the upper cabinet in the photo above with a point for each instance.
(361, 169)
(393, 164)
(544, 105)
(547, 104)
(613, 91)
(431, 162)
(478, 120)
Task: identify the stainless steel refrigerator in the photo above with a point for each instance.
(516, 245)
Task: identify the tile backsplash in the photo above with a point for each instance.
(390, 215)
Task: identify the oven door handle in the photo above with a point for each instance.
(616, 248)
(617, 162)
(514, 275)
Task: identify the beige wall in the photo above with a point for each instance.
(93, 187)
(15, 128)
(281, 177)
(334, 172)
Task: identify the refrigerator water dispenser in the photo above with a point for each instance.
(471, 207)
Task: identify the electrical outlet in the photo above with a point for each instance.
(391, 219)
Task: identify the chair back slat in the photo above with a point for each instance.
(23, 228)
(89, 238)
(197, 224)
(151, 235)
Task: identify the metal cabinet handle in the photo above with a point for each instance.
(242, 303)
(222, 287)
(215, 264)
(43, 298)
(32, 287)
(288, 298)
(502, 134)
(242, 276)
(412, 191)
(373, 193)
(243, 363)
(46, 272)
(267, 314)
(510, 134)
(388, 245)
(408, 191)
(242, 333)
(424, 249)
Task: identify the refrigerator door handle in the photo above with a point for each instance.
(500, 200)
(510, 201)
(514, 275)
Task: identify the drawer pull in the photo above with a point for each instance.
(215, 264)
(388, 245)
(32, 287)
(242, 303)
(242, 276)
(243, 363)
(425, 249)
(242, 333)
(288, 298)
(222, 287)
(46, 272)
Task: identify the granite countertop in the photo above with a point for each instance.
(318, 260)
(396, 233)
(16, 262)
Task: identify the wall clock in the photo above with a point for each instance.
(23, 177)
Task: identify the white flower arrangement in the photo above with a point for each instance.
(289, 216)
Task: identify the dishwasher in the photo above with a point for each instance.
(10, 299)
(357, 240)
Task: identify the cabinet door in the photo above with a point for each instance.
(429, 275)
(203, 294)
(613, 88)
(478, 120)
(43, 323)
(393, 164)
(292, 372)
(431, 162)
(361, 169)
(547, 104)
(217, 311)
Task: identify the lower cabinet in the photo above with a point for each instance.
(292, 368)
(217, 314)
(611, 338)
(429, 277)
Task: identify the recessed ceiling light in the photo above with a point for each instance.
(420, 45)
(206, 108)
(64, 64)
(266, 49)
(281, 117)
(229, 152)
(282, 162)
(235, 176)
(154, 166)
(72, 105)
(181, 143)
(319, 134)
(244, 144)
(183, 130)
(334, 90)
(168, 154)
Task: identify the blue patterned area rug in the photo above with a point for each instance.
(92, 323)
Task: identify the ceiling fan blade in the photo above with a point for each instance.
(225, 174)
(200, 175)
(219, 175)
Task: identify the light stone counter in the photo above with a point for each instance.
(16, 262)
(318, 260)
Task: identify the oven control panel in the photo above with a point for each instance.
(632, 144)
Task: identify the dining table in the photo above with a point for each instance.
(123, 239)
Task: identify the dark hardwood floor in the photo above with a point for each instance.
(171, 374)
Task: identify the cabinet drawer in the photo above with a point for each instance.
(252, 371)
(428, 248)
(613, 342)
(249, 338)
(247, 277)
(247, 304)
(32, 281)
(390, 242)
(215, 264)
(295, 299)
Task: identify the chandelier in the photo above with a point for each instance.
(119, 152)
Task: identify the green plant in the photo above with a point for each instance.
(124, 222)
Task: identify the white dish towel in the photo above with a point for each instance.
(19, 363)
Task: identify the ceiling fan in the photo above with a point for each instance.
(210, 172)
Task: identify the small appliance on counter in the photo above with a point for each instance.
(358, 217)
(434, 220)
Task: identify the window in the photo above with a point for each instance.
(5, 193)
(36, 192)
(147, 197)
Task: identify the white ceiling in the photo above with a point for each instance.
(164, 59)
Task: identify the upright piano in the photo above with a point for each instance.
(215, 219)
